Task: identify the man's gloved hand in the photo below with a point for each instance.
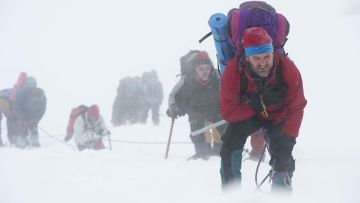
(92, 135)
(254, 101)
(274, 94)
(174, 112)
(106, 132)
(103, 132)
(281, 151)
(100, 132)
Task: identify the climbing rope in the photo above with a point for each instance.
(57, 139)
(269, 175)
(113, 140)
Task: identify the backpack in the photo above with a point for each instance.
(133, 87)
(191, 60)
(19, 83)
(228, 30)
(75, 113)
(5, 93)
(258, 14)
(186, 63)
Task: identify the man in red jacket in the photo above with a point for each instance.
(261, 89)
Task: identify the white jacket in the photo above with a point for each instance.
(86, 131)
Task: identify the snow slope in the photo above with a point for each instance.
(138, 172)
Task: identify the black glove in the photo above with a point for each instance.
(281, 147)
(174, 112)
(100, 132)
(274, 94)
(254, 101)
(103, 132)
(107, 132)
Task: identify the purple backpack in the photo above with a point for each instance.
(227, 31)
(257, 14)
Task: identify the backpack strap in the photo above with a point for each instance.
(218, 68)
(279, 75)
(83, 110)
(243, 78)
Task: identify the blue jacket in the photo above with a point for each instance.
(27, 108)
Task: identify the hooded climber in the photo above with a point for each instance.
(89, 129)
(153, 93)
(28, 106)
(197, 94)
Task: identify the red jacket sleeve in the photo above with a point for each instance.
(232, 109)
(295, 101)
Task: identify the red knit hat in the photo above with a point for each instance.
(202, 57)
(257, 41)
(93, 112)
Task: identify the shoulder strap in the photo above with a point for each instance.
(243, 78)
(83, 110)
(279, 75)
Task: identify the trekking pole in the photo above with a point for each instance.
(169, 140)
(109, 141)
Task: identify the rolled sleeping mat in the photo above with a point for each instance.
(224, 50)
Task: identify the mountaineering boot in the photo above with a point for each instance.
(34, 140)
(199, 156)
(81, 147)
(1, 142)
(21, 141)
(11, 129)
(12, 139)
(99, 145)
(281, 182)
(202, 151)
(156, 121)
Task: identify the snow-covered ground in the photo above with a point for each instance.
(138, 172)
(78, 50)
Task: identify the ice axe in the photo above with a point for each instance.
(207, 128)
(169, 140)
(109, 139)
